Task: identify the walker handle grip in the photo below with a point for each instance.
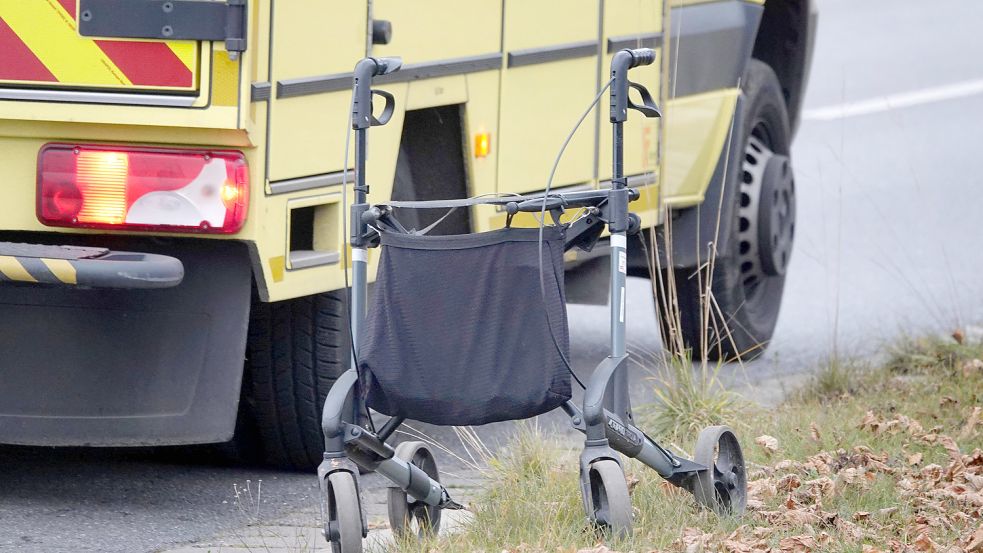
(385, 66)
(642, 56)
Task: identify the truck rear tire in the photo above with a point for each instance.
(297, 349)
(749, 276)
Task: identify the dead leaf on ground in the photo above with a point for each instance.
(814, 432)
(755, 505)
(870, 421)
(914, 459)
(932, 472)
(924, 543)
(599, 548)
(912, 426)
(788, 483)
(763, 488)
(817, 490)
(975, 481)
(694, 540)
(801, 518)
(797, 544)
(738, 546)
(974, 543)
(769, 443)
(849, 530)
(786, 465)
(821, 462)
(972, 367)
(970, 427)
(886, 512)
(950, 446)
(851, 477)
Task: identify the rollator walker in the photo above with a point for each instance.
(471, 329)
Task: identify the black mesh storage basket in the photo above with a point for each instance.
(457, 330)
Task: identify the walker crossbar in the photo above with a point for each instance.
(583, 233)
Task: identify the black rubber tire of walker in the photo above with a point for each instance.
(750, 321)
(296, 350)
(611, 501)
(717, 447)
(345, 511)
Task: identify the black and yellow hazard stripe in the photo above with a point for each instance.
(37, 270)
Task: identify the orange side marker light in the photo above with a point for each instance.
(482, 144)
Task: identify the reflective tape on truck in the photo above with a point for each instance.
(41, 46)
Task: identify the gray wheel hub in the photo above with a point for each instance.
(776, 222)
(766, 225)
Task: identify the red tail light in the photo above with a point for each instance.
(142, 188)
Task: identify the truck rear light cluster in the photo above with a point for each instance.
(142, 188)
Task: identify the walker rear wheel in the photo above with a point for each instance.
(344, 524)
(610, 503)
(408, 516)
(721, 488)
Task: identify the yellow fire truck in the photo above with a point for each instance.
(171, 241)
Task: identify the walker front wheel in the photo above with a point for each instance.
(721, 488)
(610, 506)
(344, 526)
(408, 516)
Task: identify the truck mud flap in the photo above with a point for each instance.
(87, 267)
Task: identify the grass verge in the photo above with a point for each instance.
(869, 460)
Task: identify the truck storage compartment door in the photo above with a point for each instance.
(43, 48)
(315, 46)
(551, 76)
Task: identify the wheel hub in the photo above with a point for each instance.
(776, 222)
(723, 486)
(766, 212)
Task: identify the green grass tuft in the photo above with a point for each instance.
(689, 397)
(835, 380)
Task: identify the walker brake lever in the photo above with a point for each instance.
(387, 111)
(648, 108)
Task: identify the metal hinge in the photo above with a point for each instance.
(166, 20)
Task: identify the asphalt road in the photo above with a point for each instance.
(890, 198)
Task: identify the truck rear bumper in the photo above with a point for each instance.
(121, 367)
(88, 267)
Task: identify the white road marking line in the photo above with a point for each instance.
(895, 101)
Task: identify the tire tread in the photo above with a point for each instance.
(297, 348)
